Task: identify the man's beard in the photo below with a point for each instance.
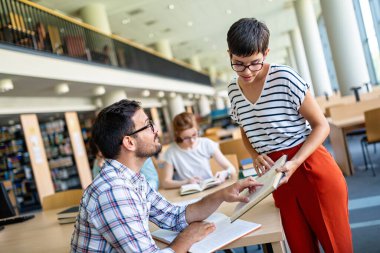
(145, 150)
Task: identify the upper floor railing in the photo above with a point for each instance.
(31, 26)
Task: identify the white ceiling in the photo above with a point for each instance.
(211, 20)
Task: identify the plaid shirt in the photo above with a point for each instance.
(114, 213)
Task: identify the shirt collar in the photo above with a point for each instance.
(126, 173)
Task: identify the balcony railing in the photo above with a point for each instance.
(28, 25)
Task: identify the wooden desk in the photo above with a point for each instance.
(44, 234)
(40, 234)
(338, 131)
(264, 213)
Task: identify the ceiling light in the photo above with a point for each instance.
(189, 23)
(197, 96)
(206, 39)
(190, 95)
(160, 94)
(145, 93)
(126, 21)
(61, 88)
(172, 94)
(214, 47)
(151, 35)
(6, 85)
(171, 6)
(228, 11)
(98, 91)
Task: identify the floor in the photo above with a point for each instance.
(364, 201)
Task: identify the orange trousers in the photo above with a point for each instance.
(314, 205)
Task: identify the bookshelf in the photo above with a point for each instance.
(59, 153)
(15, 167)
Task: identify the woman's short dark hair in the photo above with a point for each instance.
(248, 36)
(112, 124)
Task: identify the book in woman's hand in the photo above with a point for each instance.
(198, 187)
(270, 181)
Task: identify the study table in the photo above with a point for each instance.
(265, 213)
(44, 234)
(338, 132)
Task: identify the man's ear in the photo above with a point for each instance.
(229, 53)
(129, 143)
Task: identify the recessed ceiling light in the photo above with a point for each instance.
(190, 95)
(98, 91)
(6, 85)
(228, 11)
(145, 93)
(62, 88)
(197, 96)
(172, 94)
(126, 21)
(214, 47)
(189, 23)
(206, 39)
(151, 35)
(160, 94)
(171, 6)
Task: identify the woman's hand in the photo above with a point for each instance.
(222, 175)
(194, 180)
(288, 169)
(262, 163)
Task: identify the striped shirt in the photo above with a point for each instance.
(273, 123)
(115, 210)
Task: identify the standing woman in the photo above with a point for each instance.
(278, 115)
(187, 160)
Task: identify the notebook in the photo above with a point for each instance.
(68, 215)
(270, 181)
(225, 233)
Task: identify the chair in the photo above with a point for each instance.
(62, 199)
(234, 146)
(372, 128)
(215, 167)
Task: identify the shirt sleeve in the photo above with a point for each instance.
(121, 217)
(210, 146)
(298, 88)
(166, 215)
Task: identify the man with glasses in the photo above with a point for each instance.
(116, 207)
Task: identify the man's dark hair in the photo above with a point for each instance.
(248, 36)
(112, 124)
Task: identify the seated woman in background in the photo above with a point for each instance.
(187, 160)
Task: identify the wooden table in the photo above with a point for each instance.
(44, 234)
(264, 213)
(338, 131)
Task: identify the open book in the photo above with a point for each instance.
(270, 181)
(198, 187)
(225, 233)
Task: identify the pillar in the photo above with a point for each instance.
(344, 38)
(176, 105)
(113, 97)
(313, 46)
(195, 62)
(219, 103)
(95, 14)
(212, 73)
(163, 46)
(204, 106)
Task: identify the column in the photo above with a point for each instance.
(212, 73)
(291, 58)
(163, 46)
(344, 38)
(195, 62)
(313, 46)
(176, 105)
(219, 103)
(300, 56)
(95, 14)
(113, 97)
(204, 106)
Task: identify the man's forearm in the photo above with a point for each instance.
(205, 207)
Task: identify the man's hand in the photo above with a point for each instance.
(195, 232)
(232, 192)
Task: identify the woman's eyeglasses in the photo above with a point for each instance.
(189, 138)
(252, 67)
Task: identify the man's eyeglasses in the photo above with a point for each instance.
(252, 67)
(150, 124)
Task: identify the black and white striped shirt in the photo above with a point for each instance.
(273, 123)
